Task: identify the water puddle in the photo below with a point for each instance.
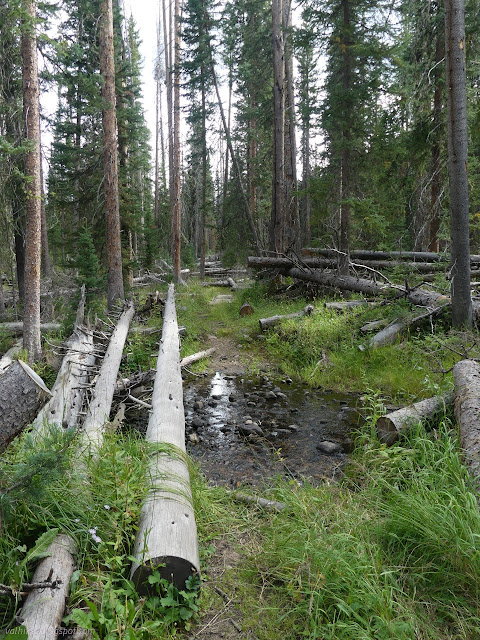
(246, 430)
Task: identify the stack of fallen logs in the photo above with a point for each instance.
(168, 507)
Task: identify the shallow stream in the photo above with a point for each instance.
(244, 430)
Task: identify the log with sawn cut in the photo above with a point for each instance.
(7, 358)
(22, 393)
(43, 610)
(466, 376)
(167, 532)
(391, 425)
(102, 396)
(17, 327)
(266, 323)
(200, 355)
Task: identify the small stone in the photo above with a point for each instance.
(270, 395)
(197, 422)
(288, 381)
(329, 447)
(293, 427)
(281, 395)
(212, 403)
(193, 438)
(249, 429)
(251, 403)
(216, 396)
(231, 398)
(198, 405)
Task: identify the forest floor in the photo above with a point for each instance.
(374, 542)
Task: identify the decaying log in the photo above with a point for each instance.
(346, 304)
(17, 327)
(188, 360)
(365, 254)
(7, 358)
(374, 325)
(466, 376)
(167, 532)
(150, 331)
(229, 282)
(101, 400)
(391, 425)
(43, 609)
(68, 392)
(22, 393)
(331, 263)
(269, 505)
(389, 334)
(266, 323)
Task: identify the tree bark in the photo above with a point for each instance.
(167, 532)
(392, 425)
(177, 207)
(277, 220)
(21, 396)
(330, 263)
(365, 254)
(466, 376)
(101, 400)
(18, 327)
(115, 291)
(33, 243)
(7, 358)
(43, 609)
(266, 323)
(2, 298)
(457, 162)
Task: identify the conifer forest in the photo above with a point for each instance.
(239, 352)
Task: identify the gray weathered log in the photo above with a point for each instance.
(17, 327)
(331, 263)
(7, 358)
(346, 304)
(390, 334)
(43, 609)
(466, 376)
(21, 396)
(266, 323)
(391, 425)
(101, 400)
(188, 360)
(374, 325)
(365, 254)
(68, 392)
(264, 503)
(167, 532)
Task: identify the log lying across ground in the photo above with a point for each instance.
(101, 400)
(200, 355)
(392, 425)
(43, 610)
(466, 376)
(266, 323)
(167, 532)
(22, 394)
(366, 254)
(17, 327)
(329, 263)
(389, 334)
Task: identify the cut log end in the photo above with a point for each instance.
(171, 568)
(387, 431)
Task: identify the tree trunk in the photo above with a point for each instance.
(2, 298)
(366, 254)
(411, 267)
(277, 220)
(115, 291)
(43, 610)
(7, 357)
(177, 206)
(195, 357)
(46, 266)
(18, 327)
(391, 425)
(466, 376)
(266, 323)
(33, 242)
(168, 38)
(101, 400)
(436, 186)
(390, 334)
(457, 162)
(22, 393)
(167, 533)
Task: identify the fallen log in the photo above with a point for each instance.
(262, 262)
(43, 610)
(374, 325)
(466, 376)
(17, 327)
(346, 304)
(7, 358)
(167, 532)
(188, 360)
(101, 400)
(22, 394)
(366, 254)
(68, 392)
(269, 505)
(391, 425)
(266, 323)
(390, 334)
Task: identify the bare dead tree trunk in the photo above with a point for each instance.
(31, 114)
(176, 210)
(344, 231)
(277, 220)
(436, 186)
(115, 291)
(46, 266)
(457, 162)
